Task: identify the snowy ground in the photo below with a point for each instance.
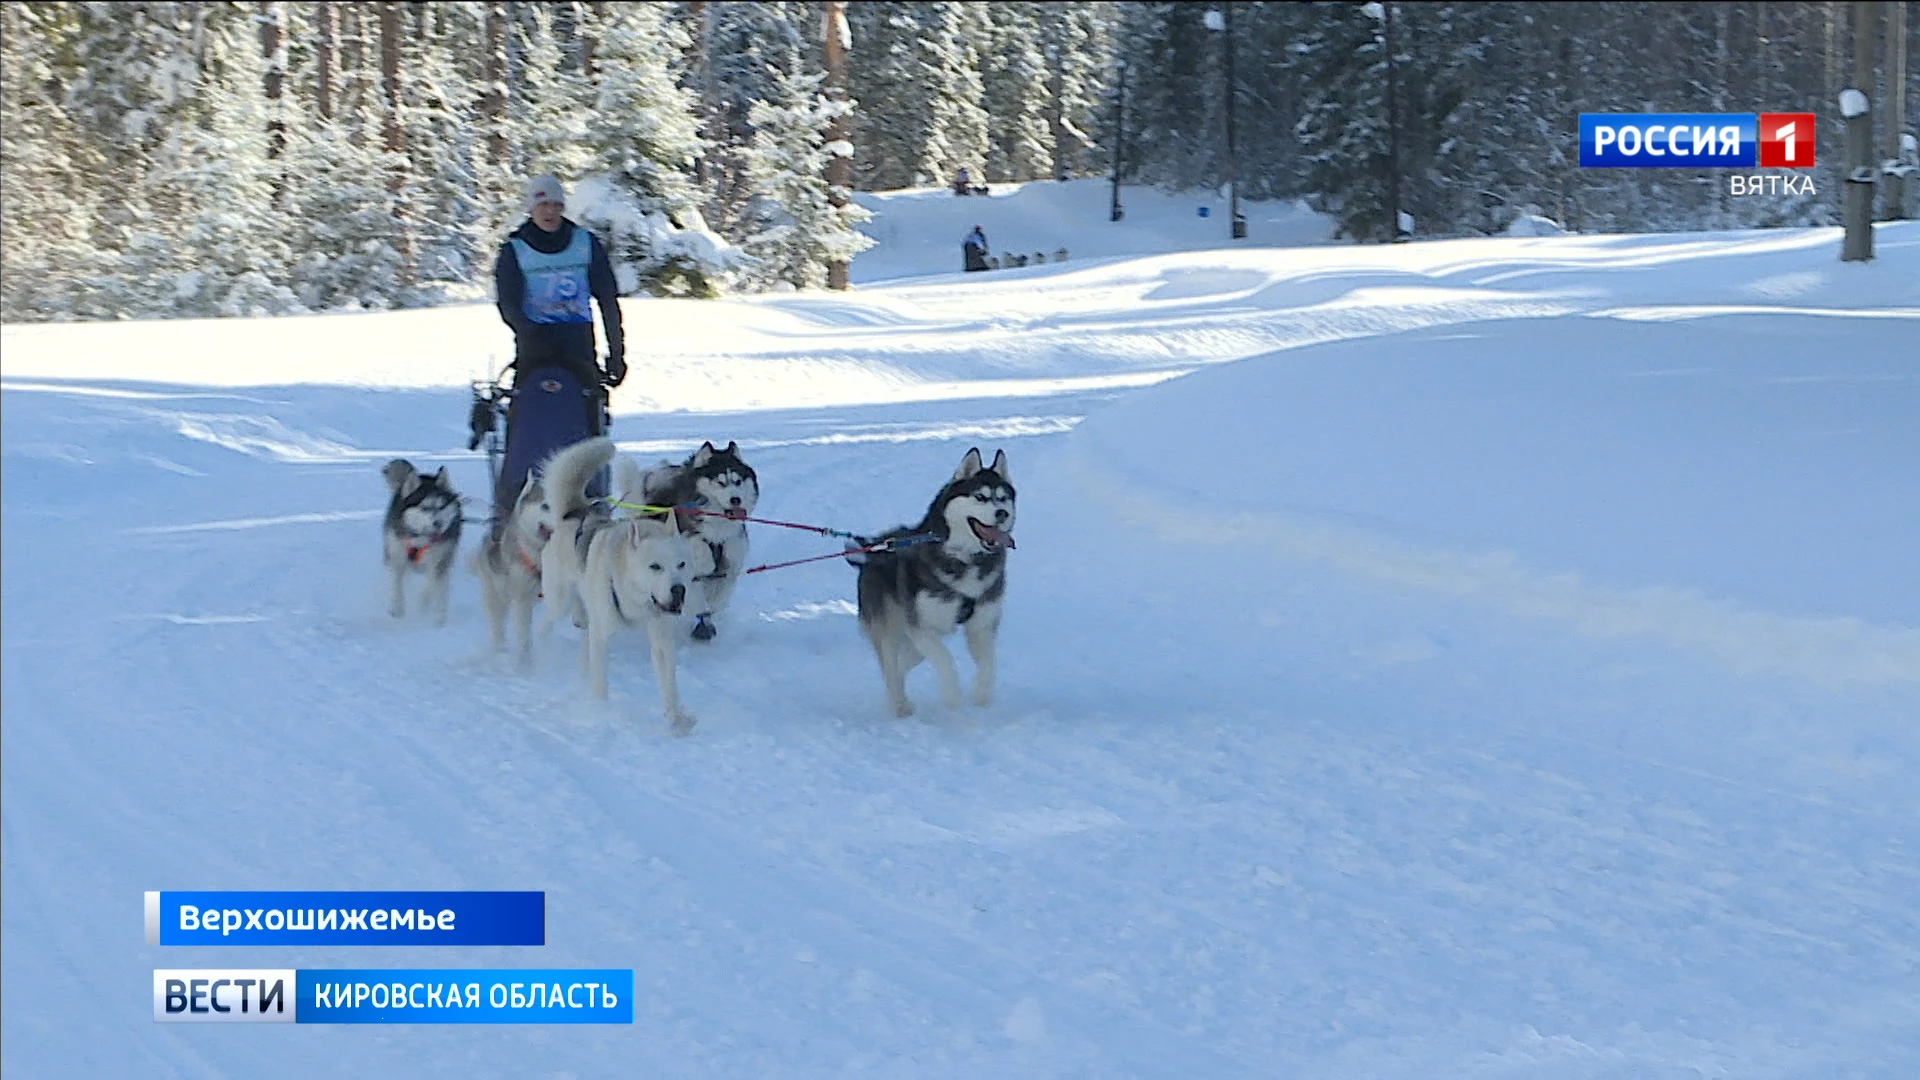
(1510, 667)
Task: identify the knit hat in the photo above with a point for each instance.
(545, 189)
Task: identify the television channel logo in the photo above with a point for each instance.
(1697, 140)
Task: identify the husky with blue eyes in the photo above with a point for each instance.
(948, 572)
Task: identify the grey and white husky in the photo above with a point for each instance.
(949, 572)
(721, 482)
(620, 571)
(421, 532)
(508, 563)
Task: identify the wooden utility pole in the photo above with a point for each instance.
(326, 21)
(839, 166)
(1899, 180)
(1857, 107)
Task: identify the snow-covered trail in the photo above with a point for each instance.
(1248, 805)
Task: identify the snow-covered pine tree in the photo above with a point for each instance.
(1079, 47)
(1342, 132)
(746, 49)
(918, 72)
(48, 172)
(452, 226)
(1016, 81)
(797, 229)
(232, 250)
(122, 74)
(552, 101)
(339, 207)
(1175, 126)
(640, 197)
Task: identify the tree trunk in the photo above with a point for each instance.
(697, 71)
(1898, 182)
(493, 72)
(839, 166)
(592, 17)
(353, 71)
(1857, 210)
(718, 158)
(1056, 116)
(395, 141)
(273, 83)
(326, 21)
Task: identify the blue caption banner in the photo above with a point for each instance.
(346, 918)
(1669, 140)
(465, 996)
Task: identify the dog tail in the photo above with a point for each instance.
(567, 473)
(629, 481)
(397, 473)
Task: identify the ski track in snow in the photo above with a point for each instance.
(1275, 784)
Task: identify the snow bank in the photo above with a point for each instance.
(1534, 225)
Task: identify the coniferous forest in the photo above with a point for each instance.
(235, 158)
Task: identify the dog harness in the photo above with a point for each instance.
(418, 546)
(719, 561)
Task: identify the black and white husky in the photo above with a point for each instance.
(721, 482)
(421, 532)
(950, 571)
(620, 571)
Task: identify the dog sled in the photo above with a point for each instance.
(545, 410)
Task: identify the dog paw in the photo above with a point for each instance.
(903, 709)
(682, 724)
(983, 696)
(703, 630)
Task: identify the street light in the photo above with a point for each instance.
(1119, 136)
(1220, 20)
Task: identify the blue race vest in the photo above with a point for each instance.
(557, 290)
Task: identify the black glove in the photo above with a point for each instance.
(616, 370)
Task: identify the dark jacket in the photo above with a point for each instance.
(568, 345)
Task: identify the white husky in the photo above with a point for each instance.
(623, 572)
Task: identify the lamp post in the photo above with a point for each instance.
(1220, 20)
(1119, 136)
(1397, 227)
